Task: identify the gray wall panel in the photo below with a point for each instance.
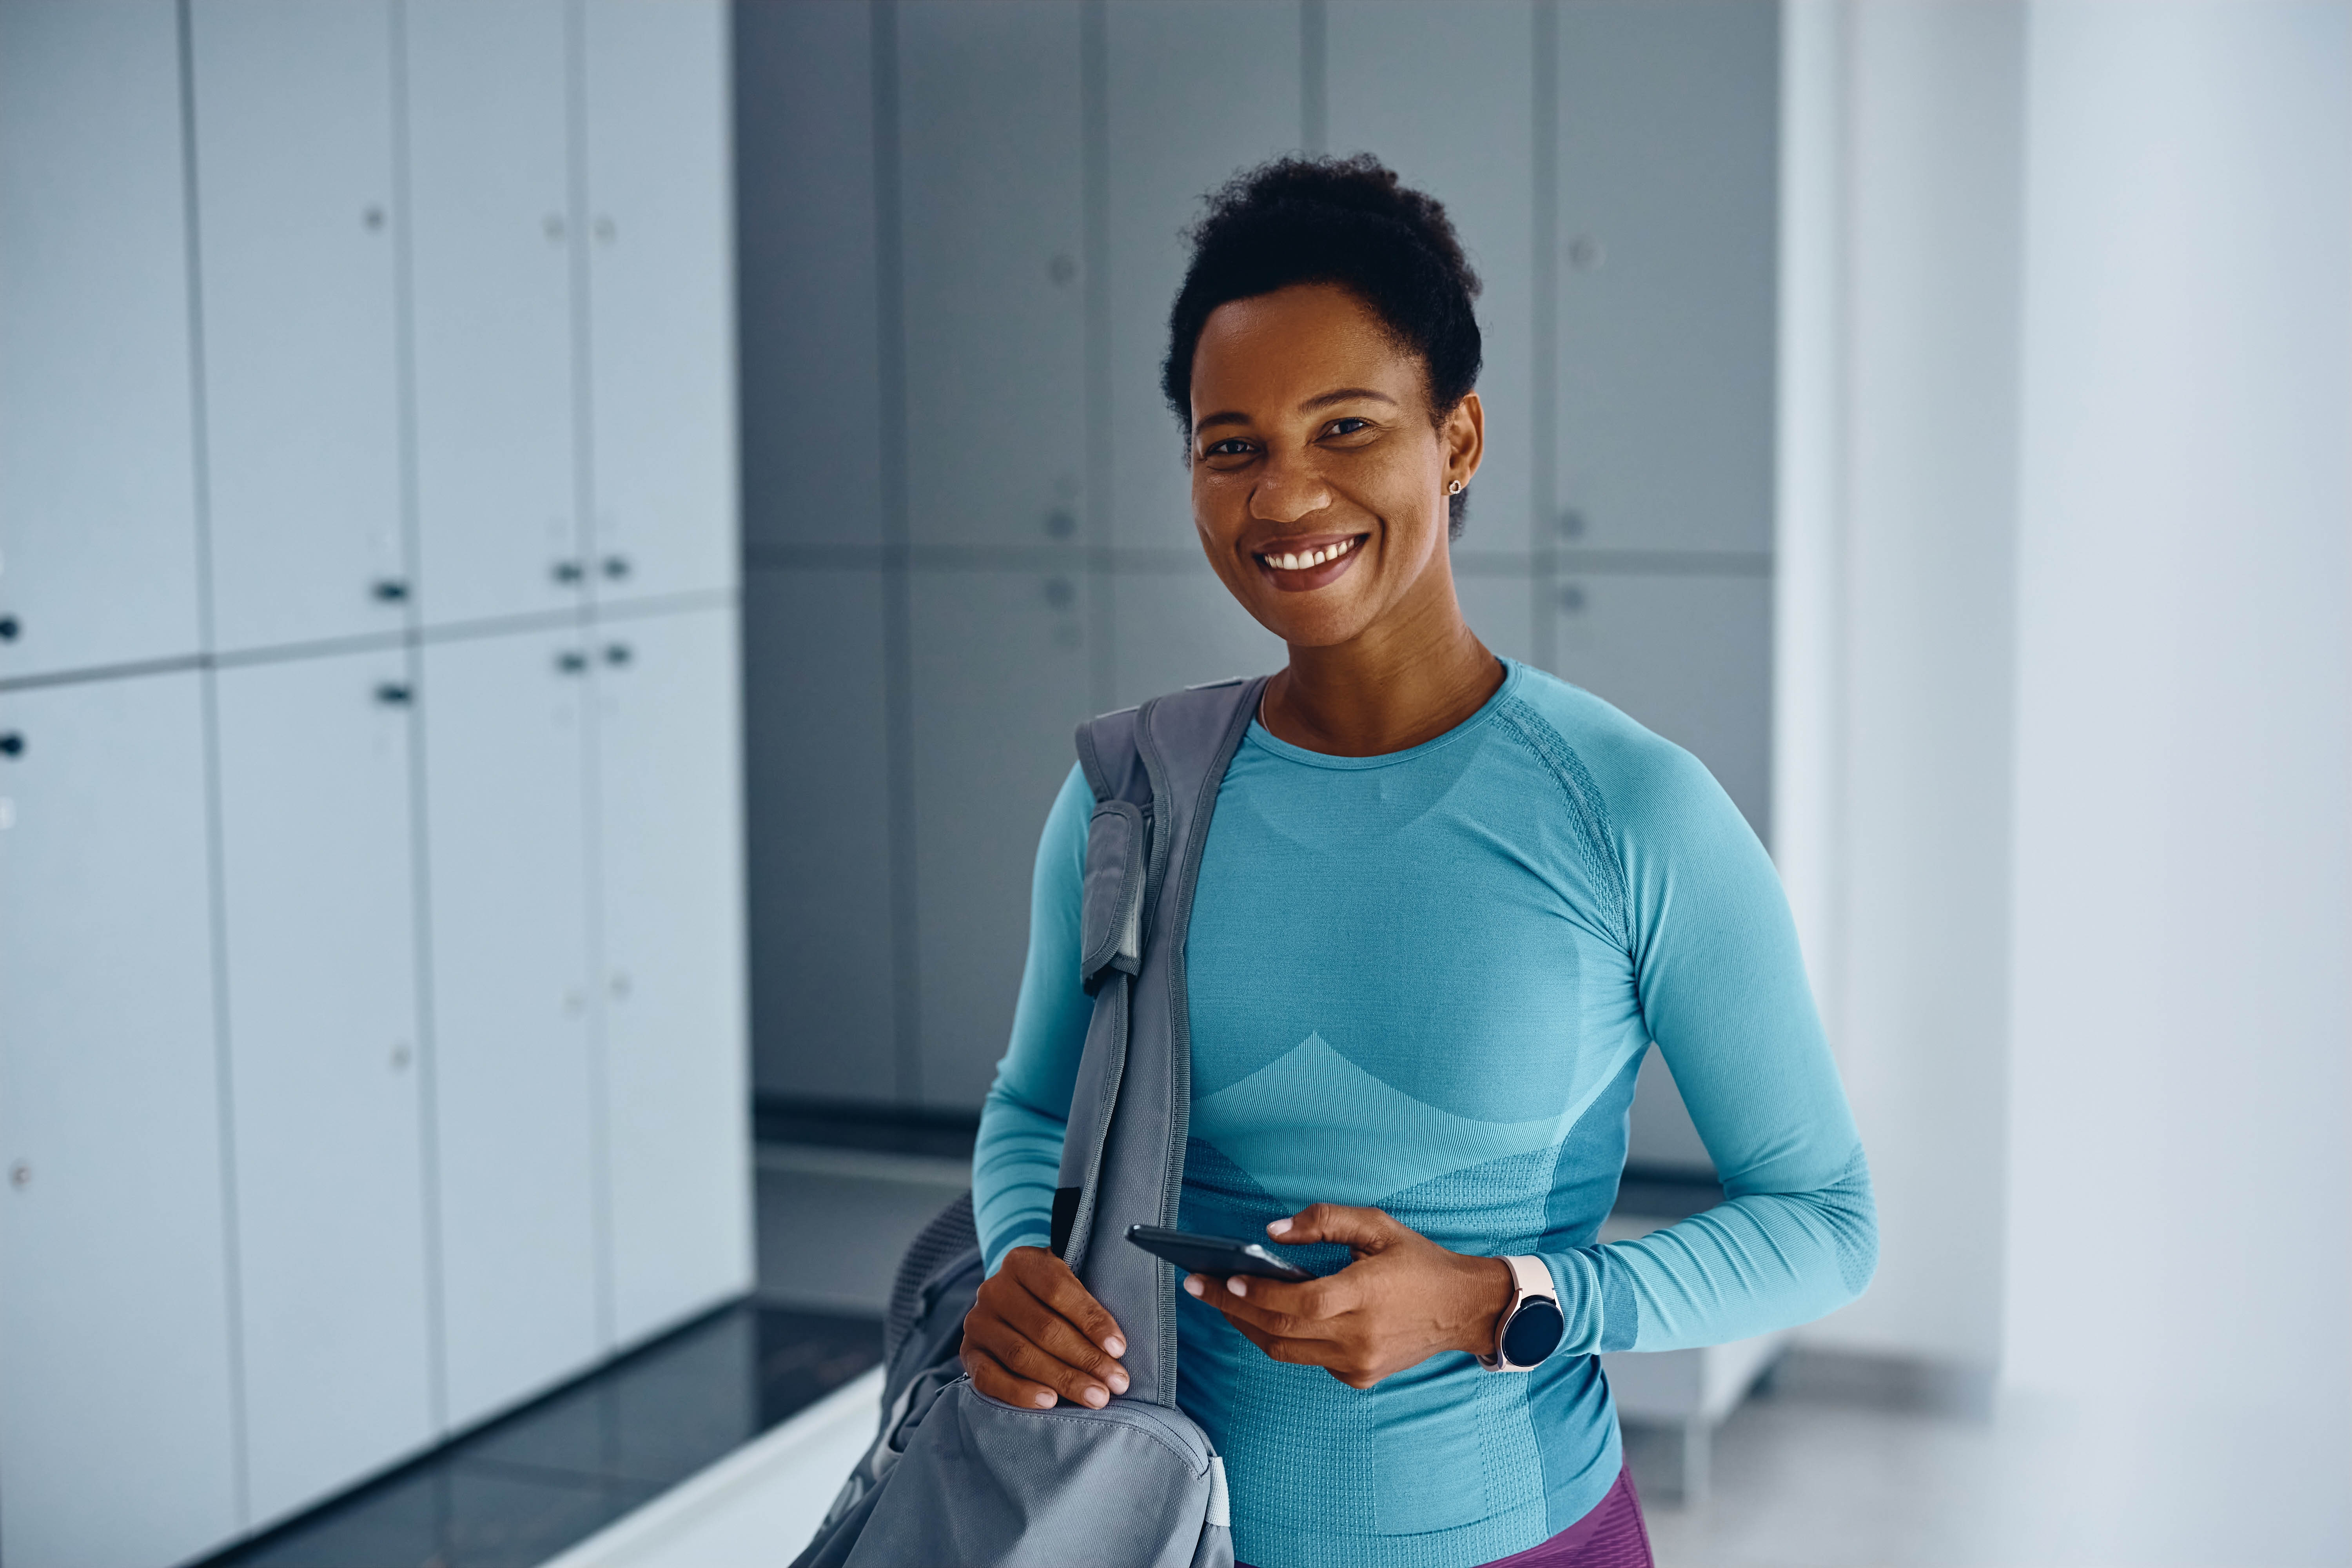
(1001, 684)
(1668, 149)
(823, 1008)
(1179, 628)
(805, 202)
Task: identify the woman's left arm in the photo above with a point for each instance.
(1722, 989)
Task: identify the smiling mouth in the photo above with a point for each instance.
(1301, 559)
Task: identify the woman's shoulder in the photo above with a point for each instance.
(1638, 776)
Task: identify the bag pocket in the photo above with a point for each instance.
(983, 1484)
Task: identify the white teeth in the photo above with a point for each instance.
(1289, 562)
(1292, 560)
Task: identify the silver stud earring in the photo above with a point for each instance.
(1455, 488)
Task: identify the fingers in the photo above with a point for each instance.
(1049, 1279)
(1040, 1376)
(1364, 1229)
(1311, 1310)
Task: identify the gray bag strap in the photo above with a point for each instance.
(1155, 770)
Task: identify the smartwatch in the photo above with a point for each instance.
(1532, 1324)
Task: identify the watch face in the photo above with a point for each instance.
(1533, 1333)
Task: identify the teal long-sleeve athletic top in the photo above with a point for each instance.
(1424, 981)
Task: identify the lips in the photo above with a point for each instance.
(1296, 566)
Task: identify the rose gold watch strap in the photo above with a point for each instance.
(1533, 1279)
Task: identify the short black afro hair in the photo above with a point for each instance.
(1347, 221)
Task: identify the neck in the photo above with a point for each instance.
(1407, 678)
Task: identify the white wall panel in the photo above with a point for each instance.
(1668, 138)
(1689, 657)
(824, 968)
(298, 225)
(1198, 90)
(670, 883)
(492, 238)
(115, 1335)
(1443, 94)
(1000, 676)
(990, 187)
(98, 535)
(661, 295)
(320, 924)
(514, 1080)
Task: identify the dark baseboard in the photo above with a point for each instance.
(851, 1124)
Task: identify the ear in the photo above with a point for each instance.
(1464, 436)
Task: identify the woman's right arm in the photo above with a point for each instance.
(1035, 1335)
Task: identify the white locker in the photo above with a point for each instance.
(115, 1333)
(996, 319)
(1668, 181)
(1443, 93)
(98, 534)
(298, 228)
(824, 972)
(1198, 89)
(319, 930)
(1689, 657)
(670, 886)
(515, 1099)
(493, 240)
(661, 295)
(999, 686)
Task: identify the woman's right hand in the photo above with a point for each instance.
(1036, 1336)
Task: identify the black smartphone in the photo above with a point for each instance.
(1212, 1255)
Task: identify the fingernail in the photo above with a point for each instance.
(1115, 1346)
(1118, 1382)
(1043, 1399)
(1237, 1287)
(1279, 1228)
(1097, 1397)
(1191, 1288)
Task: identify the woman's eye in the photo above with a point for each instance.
(1231, 446)
(1346, 426)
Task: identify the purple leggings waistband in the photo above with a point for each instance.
(1611, 1536)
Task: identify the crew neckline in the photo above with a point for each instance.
(1260, 736)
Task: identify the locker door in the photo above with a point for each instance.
(321, 922)
(811, 280)
(297, 228)
(670, 886)
(98, 534)
(116, 1437)
(513, 1077)
(1000, 685)
(1443, 92)
(996, 319)
(1198, 89)
(1689, 657)
(823, 971)
(492, 238)
(1179, 628)
(661, 296)
(1668, 185)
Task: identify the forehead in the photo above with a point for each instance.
(1269, 352)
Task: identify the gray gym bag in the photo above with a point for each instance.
(955, 1477)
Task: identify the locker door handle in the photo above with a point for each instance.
(390, 590)
(393, 694)
(572, 663)
(617, 653)
(568, 573)
(12, 744)
(616, 567)
(8, 628)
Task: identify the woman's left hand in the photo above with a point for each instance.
(1404, 1299)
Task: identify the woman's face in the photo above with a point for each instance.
(1319, 478)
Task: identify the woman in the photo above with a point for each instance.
(1445, 905)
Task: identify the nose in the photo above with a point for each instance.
(1289, 489)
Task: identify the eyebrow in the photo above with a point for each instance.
(1321, 400)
